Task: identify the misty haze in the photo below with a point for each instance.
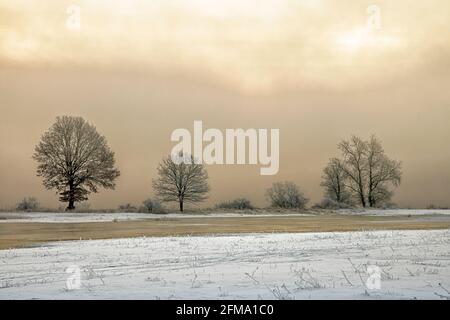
(227, 150)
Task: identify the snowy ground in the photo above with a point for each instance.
(74, 217)
(412, 264)
(394, 212)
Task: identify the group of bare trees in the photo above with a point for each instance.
(364, 174)
(75, 159)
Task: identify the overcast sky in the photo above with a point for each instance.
(312, 68)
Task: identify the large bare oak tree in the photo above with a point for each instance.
(183, 182)
(75, 159)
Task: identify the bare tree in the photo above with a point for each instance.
(183, 182)
(369, 171)
(75, 159)
(354, 163)
(333, 180)
(381, 172)
(286, 195)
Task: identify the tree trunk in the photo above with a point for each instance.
(363, 200)
(181, 205)
(338, 193)
(361, 189)
(71, 205)
(372, 201)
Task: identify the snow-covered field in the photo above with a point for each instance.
(409, 264)
(74, 217)
(77, 217)
(394, 212)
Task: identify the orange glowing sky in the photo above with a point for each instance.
(312, 68)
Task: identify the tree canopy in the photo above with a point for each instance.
(75, 159)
